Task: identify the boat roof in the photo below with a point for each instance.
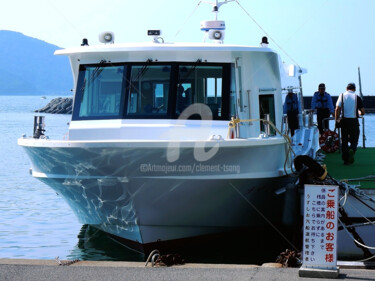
(151, 46)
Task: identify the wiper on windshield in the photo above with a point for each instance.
(191, 70)
(141, 72)
(95, 74)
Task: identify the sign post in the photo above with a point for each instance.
(320, 232)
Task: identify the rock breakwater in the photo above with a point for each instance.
(58, 106)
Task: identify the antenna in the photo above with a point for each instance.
(216, 5)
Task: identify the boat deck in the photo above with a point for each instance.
(363, 166)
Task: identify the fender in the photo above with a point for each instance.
(313, 167)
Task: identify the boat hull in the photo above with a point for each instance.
(107, 188)
(149, 210)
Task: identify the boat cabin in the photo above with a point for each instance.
(139, 91)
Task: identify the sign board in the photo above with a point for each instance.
(320, 227)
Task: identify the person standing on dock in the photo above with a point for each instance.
(292, 107)
(322, 103)
(348, 108)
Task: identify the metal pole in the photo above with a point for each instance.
(267, 127)
(301, 93)
(363, 133)
(363, 119)
(360, 84)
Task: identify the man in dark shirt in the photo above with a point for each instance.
(292, 107)
(322, 103)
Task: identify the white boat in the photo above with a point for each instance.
(170, 141)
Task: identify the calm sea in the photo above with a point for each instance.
(36, 223)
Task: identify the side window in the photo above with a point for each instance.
(148, 90)
(200, 84)
(100, 92)
(267, 106)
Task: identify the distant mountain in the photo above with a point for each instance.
(28, 67)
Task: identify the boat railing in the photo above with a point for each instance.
(339, 130)
(363, 131)
(39, 126)
(308, 118)
(305, 121)
(266, 125)
(284, 125)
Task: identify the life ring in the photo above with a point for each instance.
(329, 141)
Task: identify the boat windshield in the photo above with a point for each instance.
(152, 90)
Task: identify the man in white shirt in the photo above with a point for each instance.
(348, 108)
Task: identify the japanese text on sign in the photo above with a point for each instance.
(320, 226)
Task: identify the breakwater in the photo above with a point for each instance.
(58, 106)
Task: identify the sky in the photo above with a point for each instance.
(330, 38)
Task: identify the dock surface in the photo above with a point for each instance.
(40, 270)
(363, 166)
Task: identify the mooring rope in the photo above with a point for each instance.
(351, 236)
(233, 123)
(152, 256)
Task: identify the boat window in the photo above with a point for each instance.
(148, 90)
(153, 90)
(99, 92)
(200, 84)
(267, 106)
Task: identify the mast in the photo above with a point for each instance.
(360, 84)
(216, 5)
(363, 119)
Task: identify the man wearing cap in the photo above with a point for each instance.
(322, 103)
(292, 107)
(348, 108)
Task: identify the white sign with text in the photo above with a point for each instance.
(320, 226)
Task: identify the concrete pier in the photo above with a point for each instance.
(40, 270)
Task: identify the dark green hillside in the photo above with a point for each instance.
(28, 67)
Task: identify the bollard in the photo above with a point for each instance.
(38, 127)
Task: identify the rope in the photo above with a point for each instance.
(65, 263)
(362, 178)
(360, 193)
(362, 215)
(233, 123)
(368, 223)
(152, 256)
(370, 258)
(261, 28)
(351, 236)
(345, 196)
(183, 25)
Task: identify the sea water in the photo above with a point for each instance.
(35, 222)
